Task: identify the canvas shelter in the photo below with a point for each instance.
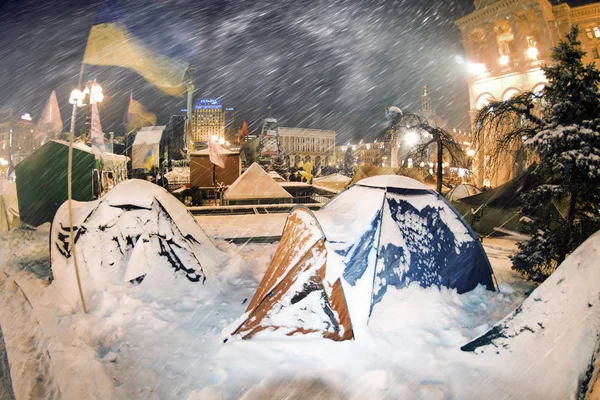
(500, 208)
(461, 191)
(334, 266)
(255, 186)
(9, 206)
(202, 169)
(145, 151)
(42, 178)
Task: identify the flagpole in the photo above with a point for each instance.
(70, 193)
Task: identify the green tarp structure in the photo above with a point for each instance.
(42, 179)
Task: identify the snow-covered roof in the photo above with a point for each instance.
(393, 181)
(83, 147)
(255, 183)
(204, 152)
(332, 178)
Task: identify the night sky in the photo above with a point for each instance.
(318, 64)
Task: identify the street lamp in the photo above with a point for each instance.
(91, 94)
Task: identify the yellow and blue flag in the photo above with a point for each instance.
(110, 43)
(137, 116)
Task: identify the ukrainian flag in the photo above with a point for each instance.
(149, 159)
(137, 116)
(109, 43)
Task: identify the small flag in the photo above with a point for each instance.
(50, 124)
(216, 154)
(137, 116)
(96, 135)
(150, 158)
(110, 43)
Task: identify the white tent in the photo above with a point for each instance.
(461, 191)
(145, 151)
(255, 186)
(9, 205)
(138, 231)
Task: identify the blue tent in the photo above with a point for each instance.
(385, 231)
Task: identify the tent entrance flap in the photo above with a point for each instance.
(294, 295)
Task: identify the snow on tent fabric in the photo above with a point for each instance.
(137, 231)
(555, 334)
(332, 267)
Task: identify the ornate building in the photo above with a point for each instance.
(506, 43)
(301, 144)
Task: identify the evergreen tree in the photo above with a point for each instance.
(565, 135)
(348, 167)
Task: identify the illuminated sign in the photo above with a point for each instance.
(26, 117)
(207, 104)
(229, 109)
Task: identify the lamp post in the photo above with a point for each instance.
(91, 94)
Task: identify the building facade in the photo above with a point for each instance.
(506, 43)
(208, 120)
(17, 137)
(302, 144)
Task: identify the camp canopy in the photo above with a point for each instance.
(42, 178)
(255, 186)
(145, 152)
(334, 266)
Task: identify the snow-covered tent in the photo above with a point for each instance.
(334, 266)
(461, 191)
(255, 186)
(137, 231)
(549, 347)
(9, 206)
(334, 182)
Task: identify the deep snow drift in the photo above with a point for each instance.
(164, 339)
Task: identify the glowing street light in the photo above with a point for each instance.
(470, 152)
(412, 138)
(532, 53)
(504, 60)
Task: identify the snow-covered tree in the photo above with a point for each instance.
(348, 166)
(565, 135)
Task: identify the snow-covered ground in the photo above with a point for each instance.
(147, 342)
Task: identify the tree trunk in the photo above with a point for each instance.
(565, 249)
(440, 169)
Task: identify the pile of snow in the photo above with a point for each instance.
(137, 232)
(549, 346)
(171, 346)
(255, 183)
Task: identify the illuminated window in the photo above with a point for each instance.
(595, 53)
(588, 33)
(596, 31)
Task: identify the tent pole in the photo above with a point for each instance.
(70, 195)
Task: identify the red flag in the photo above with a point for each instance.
(216, 154)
